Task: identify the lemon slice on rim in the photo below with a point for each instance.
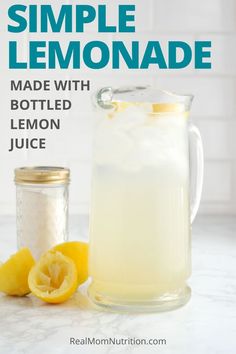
(14, 273)
(168, 107)
(53, 278)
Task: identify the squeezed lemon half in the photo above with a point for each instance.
(78, 252)
(53, 278)
(14, 273)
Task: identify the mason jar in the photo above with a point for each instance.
(41, 207)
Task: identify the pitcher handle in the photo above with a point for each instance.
(196, 169)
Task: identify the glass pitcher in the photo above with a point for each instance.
(146, 189)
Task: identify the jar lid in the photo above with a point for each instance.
(42, 175)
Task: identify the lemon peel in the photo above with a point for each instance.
(54, 278)
(78, 252)
(14, 273)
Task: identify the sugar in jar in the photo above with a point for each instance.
(41, 207)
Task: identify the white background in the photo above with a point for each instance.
(213, 109)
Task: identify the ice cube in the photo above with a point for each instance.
(112, 147)
(133, 116)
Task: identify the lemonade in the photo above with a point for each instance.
(140, 222)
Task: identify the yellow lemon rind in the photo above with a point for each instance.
(68, 286)
(78, 252)
(14, 273)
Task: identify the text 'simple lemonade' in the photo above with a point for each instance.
(140, 216)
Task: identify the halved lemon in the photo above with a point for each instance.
(14, 273)
(53, 278)
(78, 252)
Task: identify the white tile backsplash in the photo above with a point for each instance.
(218, 139)
(223, 53)
(80, 182)
(214, 106)
(195, 16)
(217, 182)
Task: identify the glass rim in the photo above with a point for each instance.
(106, 96)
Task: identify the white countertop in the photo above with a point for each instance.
(207, 324)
